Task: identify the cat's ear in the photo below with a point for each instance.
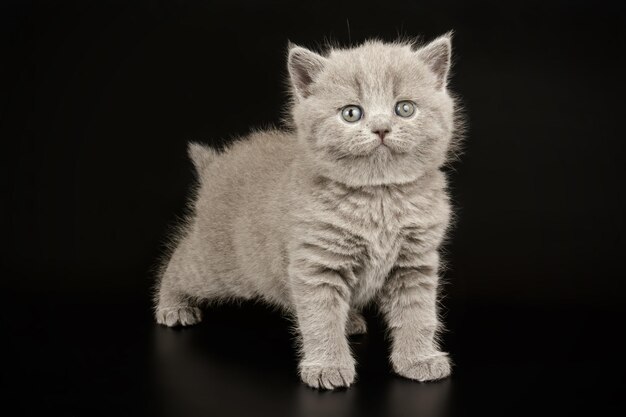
(437, 55)
(304, 66)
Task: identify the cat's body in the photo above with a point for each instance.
(322, 225)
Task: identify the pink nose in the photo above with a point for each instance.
(381, 133)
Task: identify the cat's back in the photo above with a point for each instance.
(247, 166)
(260, 151)
(236, 211)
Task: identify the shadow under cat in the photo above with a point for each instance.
(203, 370)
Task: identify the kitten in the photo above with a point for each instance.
(348, 208)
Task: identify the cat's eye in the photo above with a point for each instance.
(351, 113)
(405, 108)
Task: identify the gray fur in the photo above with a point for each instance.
(322, 219)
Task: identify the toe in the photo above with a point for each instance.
(183, 316)
(327, 377)
(427, 369)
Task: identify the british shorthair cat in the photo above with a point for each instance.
(346, 207)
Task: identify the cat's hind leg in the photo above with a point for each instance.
(176, 303)
(174, 308)
(356, 323)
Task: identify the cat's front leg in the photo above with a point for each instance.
(409, 304)
(321, 298)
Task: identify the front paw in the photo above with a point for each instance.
(327, 377)
(428, 368)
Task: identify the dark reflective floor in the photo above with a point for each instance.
(86, 356)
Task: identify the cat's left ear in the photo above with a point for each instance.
(304, 67)
(437, 55)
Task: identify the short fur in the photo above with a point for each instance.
(326, 218)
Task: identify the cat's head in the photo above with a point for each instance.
(379, 113)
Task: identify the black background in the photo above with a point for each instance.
(98, 101)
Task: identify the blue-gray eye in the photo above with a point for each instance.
(405, 108)
(351, 113)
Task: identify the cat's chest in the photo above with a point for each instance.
(379, 219)
(362, 231)
(377, 262)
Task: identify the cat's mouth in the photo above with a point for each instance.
(380, 151)
(389, 148)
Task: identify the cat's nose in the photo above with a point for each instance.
(381, 133)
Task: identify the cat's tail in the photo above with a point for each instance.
(201, 155)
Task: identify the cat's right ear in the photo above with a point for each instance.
(304, 67)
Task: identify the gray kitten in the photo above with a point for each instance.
(347, 208)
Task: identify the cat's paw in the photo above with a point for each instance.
(178, 316)
(356, 324)
(327, 377)
(429, 368)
